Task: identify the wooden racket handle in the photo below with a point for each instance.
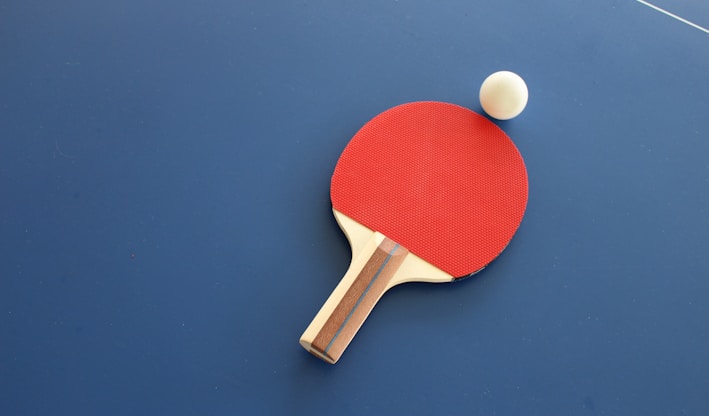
(368, 277)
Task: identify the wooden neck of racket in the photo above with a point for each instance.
(379, 265)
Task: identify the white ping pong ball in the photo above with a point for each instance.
(503, 95)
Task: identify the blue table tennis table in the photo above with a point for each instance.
(166, 231)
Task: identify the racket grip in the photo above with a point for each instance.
(344, 312)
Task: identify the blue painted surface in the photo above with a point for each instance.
(165, 227)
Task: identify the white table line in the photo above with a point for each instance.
(674, 16)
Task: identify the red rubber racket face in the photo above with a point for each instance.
(437, 178)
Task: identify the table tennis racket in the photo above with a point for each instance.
(425, 191)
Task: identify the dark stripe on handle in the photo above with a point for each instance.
(349, 315)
